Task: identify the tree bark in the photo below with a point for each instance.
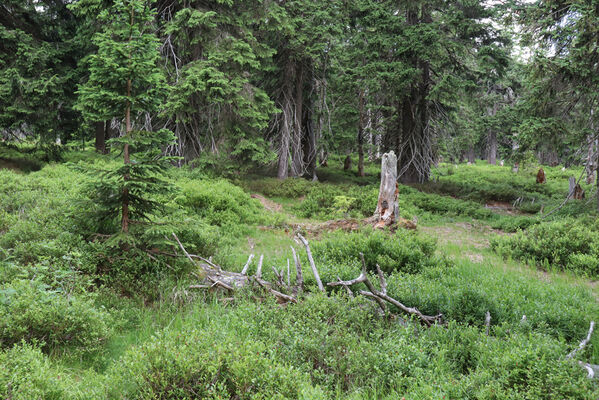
(470, 154)
(126, 159)
(297, 161)
(100, 137)
(492, 138)
(387, 207)
(361, 133)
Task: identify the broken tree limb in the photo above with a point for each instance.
(247, 264)
(311, 260)
(280, 296)
(299, 278)
(584, 342)
(592, 369)
(259, 269)
(381, 296)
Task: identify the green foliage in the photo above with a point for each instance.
(124, 72)
(31, 310)
(568, 244)
(197, 363)
(139, 182)
(402, 251)
(28, 374)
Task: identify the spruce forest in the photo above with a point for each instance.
(299, 199)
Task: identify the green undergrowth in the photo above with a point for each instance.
(567, 244)
(81, 319)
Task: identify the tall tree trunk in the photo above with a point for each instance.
(492, 138)
(283, 171)
(297, 161)
(109, 133)
(125, 207)
(361, 133)
(287, 121)
(470, 154)
(100, 137)
(415, 151)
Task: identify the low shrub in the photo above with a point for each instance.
(404, 251)
(194, 363)
(567, 244)
(32, 311)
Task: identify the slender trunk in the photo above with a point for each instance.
(492, 147)
(126, 159)
(100, 137)
(108, 134)
(285, 126)
(361, 133)
(283, 171)
(297, 162)
(125, 207)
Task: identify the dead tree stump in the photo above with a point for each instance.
(387, 207)
(541, 176)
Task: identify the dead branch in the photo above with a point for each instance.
(259, 269)
(298, 269)
(584, 342)
(381, 296)
(592, 369)
(311, 260)
(247, 264)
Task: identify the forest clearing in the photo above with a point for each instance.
(298, 199)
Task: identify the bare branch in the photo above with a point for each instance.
(312, 264)
(259, 269)
(247, 264)
(584, 342)
(298, 269)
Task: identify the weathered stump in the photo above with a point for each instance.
(541, 176)
(387, 207)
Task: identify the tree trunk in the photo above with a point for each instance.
(109, 133)
(387, 207)
(125, 210)
(297, 161)
(100, 137)
(361, 133)
(415, 151)
(492, 138)
(470, 154)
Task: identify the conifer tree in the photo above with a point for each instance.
(125, 80)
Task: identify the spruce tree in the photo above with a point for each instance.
(125, 80)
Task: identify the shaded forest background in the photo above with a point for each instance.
(283, 84)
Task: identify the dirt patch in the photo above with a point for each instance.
(267, 204)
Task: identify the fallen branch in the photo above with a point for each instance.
(312, 264)
(380, 296)
(299, 278)
(584, 342)
(247, 264)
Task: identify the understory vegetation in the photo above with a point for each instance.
(82, 320)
